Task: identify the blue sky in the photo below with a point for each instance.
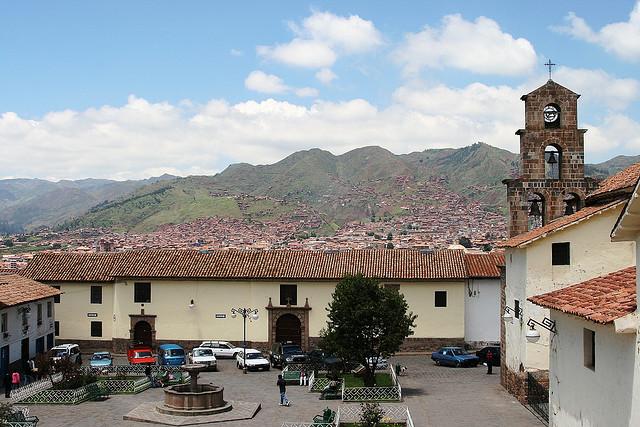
(132, 89)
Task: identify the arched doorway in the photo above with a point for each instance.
(142, 333)
(288, 328)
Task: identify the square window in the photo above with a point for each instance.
(516, 308)
(441, 298)
(56, 328)
(560, 254)
(96, 295)
(56, 298)
(288, 294)
(142, 292)
(589, 348)
(96, 329)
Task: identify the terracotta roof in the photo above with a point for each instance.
(620, 183)
(16, 289)
(601, 300)
(557, 225)
(8, 270)
(231, 264)
(484, 265)
(71, 267)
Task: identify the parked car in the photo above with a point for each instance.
(287, 352)
(454, 356)
(140, 354)
(171, 354)
(222, 349)
(495, 352)
(204, 356)
(101, 359)
(67, 351)
(255, 361)
(381, 365)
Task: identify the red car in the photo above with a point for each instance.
(141, 355)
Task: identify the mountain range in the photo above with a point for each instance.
(357, 185)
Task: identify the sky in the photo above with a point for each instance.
(129, 90)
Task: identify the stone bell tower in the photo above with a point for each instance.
(551, 182)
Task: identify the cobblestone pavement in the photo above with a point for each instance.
(436, 396)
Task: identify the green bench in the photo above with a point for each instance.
(291, 377)
(327, 417)
(98, 391)
(20, 418)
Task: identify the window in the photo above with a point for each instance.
(49, 309)
(56, 328)
(96, 295)
(96, 329)
(560, 254)
(142, 292)
(49, 341)
(589, 348)
(516, 308)
(4, 323)
(394, 286)
(288, 294)
(39, 311)
(56, 298)
(441, 298)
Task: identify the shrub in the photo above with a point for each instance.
(372, 414)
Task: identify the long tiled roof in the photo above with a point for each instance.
(557, 225)
(621, 183)
(16, 289)
(601, 300)
(232, 264)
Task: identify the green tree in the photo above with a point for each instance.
(465, 241)
(389, 245)
(365, 322)
(390, 236)
(8, 243)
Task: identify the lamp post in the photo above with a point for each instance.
(251, 314)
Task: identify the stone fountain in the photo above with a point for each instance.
(193, 399)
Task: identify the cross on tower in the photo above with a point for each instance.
(550, 65)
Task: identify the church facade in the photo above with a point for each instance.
(186, 296)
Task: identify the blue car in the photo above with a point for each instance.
(171, 354)
(101, 359)
(454, 356)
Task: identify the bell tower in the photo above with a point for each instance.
(552, 181)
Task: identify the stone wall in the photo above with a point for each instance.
(517, 385)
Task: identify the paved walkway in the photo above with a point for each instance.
(436, 396)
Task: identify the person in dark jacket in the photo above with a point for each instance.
(7, 384)
(489, 362)
(282, 386)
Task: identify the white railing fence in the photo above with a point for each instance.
(296, 424)
(312, 379)
(394, 378)
(20, 393)
(391, 414)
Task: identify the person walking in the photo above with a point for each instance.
(489, 362)
(282, 386)
(7, 384)
(15, 380)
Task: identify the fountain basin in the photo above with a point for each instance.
(184, 397)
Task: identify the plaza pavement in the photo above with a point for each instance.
(436, 396)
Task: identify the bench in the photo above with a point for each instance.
(327, 417)
(291, 377)
(333, 391)
(20, 418)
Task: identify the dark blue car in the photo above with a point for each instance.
(454, 356)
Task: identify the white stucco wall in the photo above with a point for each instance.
(530, 272)
(482, 310)
(580, 396)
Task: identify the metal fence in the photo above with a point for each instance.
(130, 370)
(353, 413)
(21, 393)
(538, 398)
(373, 394)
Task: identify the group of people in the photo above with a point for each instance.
(17, 378)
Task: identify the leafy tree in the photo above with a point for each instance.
(390, 236)
(8, 243)
(365, 322)
(389, 245)
(487, 247)
(372, 414)
(465, 241)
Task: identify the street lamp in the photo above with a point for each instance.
(252, 314)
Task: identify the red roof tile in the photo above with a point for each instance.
(557, 225)
(620, 183)
(601, 300)
(231, 264)
(16, 289)
(484, 265)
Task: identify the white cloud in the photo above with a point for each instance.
(236, 52)
(306, 92)
(260, 81)
(321, 38)
(326, 76)
(597, 86)
(479, 46)
(620, 38)
(142, 138)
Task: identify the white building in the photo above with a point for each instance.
(27, 320)
(482, 299)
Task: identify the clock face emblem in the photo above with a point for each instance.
(550, 114)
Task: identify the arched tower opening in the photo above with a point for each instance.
(552, 161)
(536, 205)
(572, 203)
